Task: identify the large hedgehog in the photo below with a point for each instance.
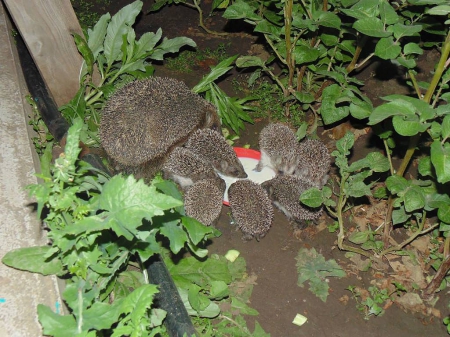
(251, 209)
(203, 200)
(278, 145)
(213, 148)
(285, 191)
(145, 119)
(185, 168)
(315, 162)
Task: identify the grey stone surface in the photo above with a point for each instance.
(20, 291)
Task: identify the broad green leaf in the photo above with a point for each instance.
(371, 27)
(129, 201)
(390, 109)
(387, 49)
(56, 325)
(359, 237)
(219, 290)
(243, 308)
(119, 26)
(379, 163)
(171, 46)
(197, 299)
(399, 216)
(216, 72)
(444, 214)
(407, 63)
(440, 157)
(147, 43)
(388, 14)
(400, 30)
(196, 230)
(358, 189)
(408, 125)
(211, 311)
(439, 10)
(436, 200)
(360, 111)
(240, 10)
(327, 19)
(265, 27)
(249, 61)
(424, 166)
(446, 127)
(312, 197)
(396, 184)
(101, 315)
(34, 259)
(412, 48)
(176, 235)
(414, 198)
(328, 110)
(96, 36)
(305, 54)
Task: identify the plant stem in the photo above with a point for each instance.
(388, 154)
(358, 50)
(290, 60)
(440, 274)
(200, 19)
(439, 69)
(80, 310)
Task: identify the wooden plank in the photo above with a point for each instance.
(46, 27)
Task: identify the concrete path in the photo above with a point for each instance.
(20, 292)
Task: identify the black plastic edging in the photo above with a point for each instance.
(177, 321)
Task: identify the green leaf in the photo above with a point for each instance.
(327, 19)
(219, 290)
(119, 26)
(446, 126)
(249, 61)
(408, 125)
(358, 189)
(243, 308)
(146, 44)
(312, 197)
(360, 111)
(129, 201)
(34, 259)
(56, 325)
(171, 46)
(414, 198)
(216, 72)
(197, 299)
(387, 49)
(379, 163)
(400, 30)
(412, 48)
(440, 157)
(424, 166)
(240, 10)
(388, 14)
(96, 36)
(371, 27)
(344, 144)
(138, 302)
(444, 214)
(265, 27)
(395, 108)
(305, 54)
(176, 235)
(85, 51)
(328, 110)
(439, 10)
(359, 238)
(399, 216)
(101, 315)
(211, 311)
(196, 230)
(396, 184)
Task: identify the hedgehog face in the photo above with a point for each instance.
(232, 169)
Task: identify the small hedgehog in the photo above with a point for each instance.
(203, 200)
(145, 119)
(315, 162)
(285, 191)
(278, 146)
(185, 168)
(251, 209)
(213, 148)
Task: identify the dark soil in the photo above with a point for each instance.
(277, 296)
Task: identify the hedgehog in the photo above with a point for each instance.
(213, 148)
(285, 191)
(185, 168)
(251, 209)
(315, 162)
(203, 200)
(146, 119)
(278, 146)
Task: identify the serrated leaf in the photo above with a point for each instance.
(344, 144)
(138, 302)
(33, 259)
(146, 43)
(387, 48)
(440, 157)
(119, 26)
(196, 230)
(171, 46)
(371, 27)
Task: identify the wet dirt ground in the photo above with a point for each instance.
(276, 294)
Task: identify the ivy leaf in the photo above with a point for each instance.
(56, 325)
(440, 157)
(33, 259)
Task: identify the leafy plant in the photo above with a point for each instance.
(313, 267)
(42, 136)
(111, 50)
(97, 227)
(370, 305)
